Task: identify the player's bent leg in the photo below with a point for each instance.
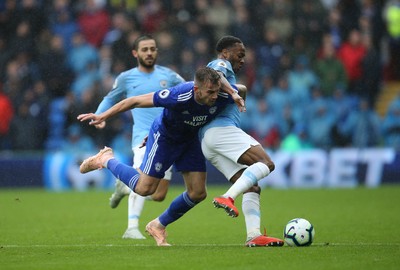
(254, 154)
(161, 191)
(195, 185)
(147, 185)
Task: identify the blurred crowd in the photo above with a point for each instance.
(314, 68)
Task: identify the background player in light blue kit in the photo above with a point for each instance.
(173, 139)
(145, 78)
(237, 155)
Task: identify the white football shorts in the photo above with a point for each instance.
(223, 146)
(138, 155)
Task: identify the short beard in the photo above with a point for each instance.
(145, 65)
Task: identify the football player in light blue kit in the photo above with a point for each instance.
(145, 78)
(241, 159)
(173, 139)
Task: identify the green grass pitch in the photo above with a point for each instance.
(355, 229)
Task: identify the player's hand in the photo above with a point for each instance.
(93, 118)
(143, 144)
(239, 102)
(101, 125)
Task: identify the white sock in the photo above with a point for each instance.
(135, 207)
(249, 178)
(252, 214)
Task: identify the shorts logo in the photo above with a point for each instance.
(163, 93)
(158, 167)
(213, 110)
(163, 83)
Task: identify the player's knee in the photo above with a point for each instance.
(157, 197)
(145, 191)
(198, 196)
(271, 165)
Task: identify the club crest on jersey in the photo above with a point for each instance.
(221, 64)
(163, 83)
(158, 166)
(163, 93)
(213, 110)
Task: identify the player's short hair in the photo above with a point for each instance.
(206, 74)
(141, 38)
(226, 42)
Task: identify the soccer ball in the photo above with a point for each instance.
(299, 232)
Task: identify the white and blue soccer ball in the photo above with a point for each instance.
(299, 232)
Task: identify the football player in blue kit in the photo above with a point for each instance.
(145, 78)
(173, 140)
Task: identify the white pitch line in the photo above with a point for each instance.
(188, 245)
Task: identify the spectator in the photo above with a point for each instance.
(152, 16)
(330, 71)
(279, 96)
(82, 54)
(76, 142)
(24, 124)
(53, 67)
(9, 19)
(241, 26)
(392, 21)
(333, 28)
(121, 23)
(219, 16)
(391, 125)
(319, 123)
(94, 21)
(362, 126)
(32, 12)
(296, 140)
(281, 21)
(308, 21)
(301, 80)
(7, 113)
(265, 125)
(64, 26)
(371, 73)
(262, 86)
(351, 53)
(268, 52)
(342, 105)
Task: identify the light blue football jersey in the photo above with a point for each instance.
(133, 83)
(230, 116)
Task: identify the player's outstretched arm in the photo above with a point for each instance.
(142, 101)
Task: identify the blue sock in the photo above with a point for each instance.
(123, 172)
(177, 209)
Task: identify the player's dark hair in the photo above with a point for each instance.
(226, 42)
(206, 74)
(139, 39)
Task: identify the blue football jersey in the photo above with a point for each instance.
(133, 82)
(182, 116)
